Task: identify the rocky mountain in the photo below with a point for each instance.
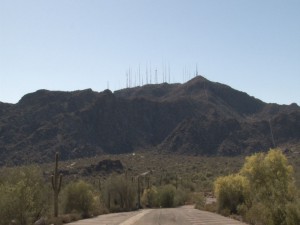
(197, 117)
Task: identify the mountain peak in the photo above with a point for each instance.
(197, 117)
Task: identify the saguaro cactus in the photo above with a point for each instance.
(56, 185)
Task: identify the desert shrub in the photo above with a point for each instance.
(119, 194)
(23, 197)
(199, 200)
(271, 184)
(79, 197)
(212, 207)
(259, 214)
(149, 197)
(293, 213)
(231, 191)
(181, 197)
(263, 192)
(165, 196)
(6, 204)
(188, 185)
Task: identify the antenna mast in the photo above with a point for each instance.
(169, 73)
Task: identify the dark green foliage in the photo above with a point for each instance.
(79, 198)
(181, 197)
(120, 194)
(23, 197)
(166, 196)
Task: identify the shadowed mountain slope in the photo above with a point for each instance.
(197, 117)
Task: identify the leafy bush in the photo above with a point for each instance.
(293, 213)
(79, 198)
(23, 197)
(181, 197)
(259, 214)
(263, 192)
(119, 194)
(212, 207)
(199, 200)
(149, 197)
(231, 191)
(165, 196)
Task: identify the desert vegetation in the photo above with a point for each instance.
(116, 183)
(24, 197)
(262, 192)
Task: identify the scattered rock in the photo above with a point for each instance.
(41, 221)
(105, 166)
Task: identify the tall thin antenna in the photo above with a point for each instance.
(166, 73)
(150, 73)
(135, 78)
(146, 73)
(163, 72)
(129, 76)
(169, 73)
(139, 75)
(126, 79)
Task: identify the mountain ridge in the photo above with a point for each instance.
(197, 117)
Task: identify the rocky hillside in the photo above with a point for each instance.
(198, 117)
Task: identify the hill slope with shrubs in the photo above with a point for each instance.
(199, 117)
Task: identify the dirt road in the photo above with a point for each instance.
(176, 216)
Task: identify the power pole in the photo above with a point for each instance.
(127, 79)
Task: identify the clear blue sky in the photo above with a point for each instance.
(251, 45)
